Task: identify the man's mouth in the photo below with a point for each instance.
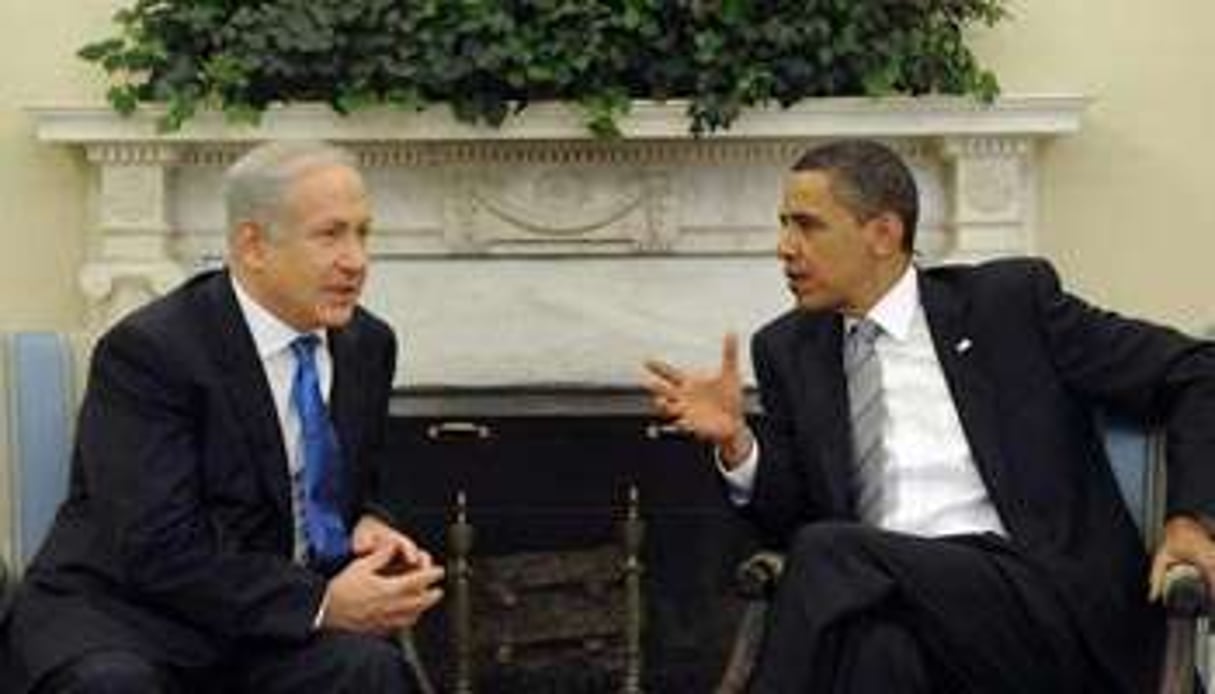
(345, 293)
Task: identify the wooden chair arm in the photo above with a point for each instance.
(1185, 592)
(757, 576)
(409, 651)
(1186, 598)
(755, 580)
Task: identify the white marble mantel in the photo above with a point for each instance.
(534, 254)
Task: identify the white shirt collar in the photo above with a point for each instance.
(896, 309)
(270, 334)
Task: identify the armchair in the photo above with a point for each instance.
(1137, 460)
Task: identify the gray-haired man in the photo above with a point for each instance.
(222, 514)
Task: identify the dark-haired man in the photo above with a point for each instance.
(929, 458)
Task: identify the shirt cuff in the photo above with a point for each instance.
(741, 480)
(320, 612)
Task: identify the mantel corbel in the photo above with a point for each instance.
(992, 186)
(133, 261)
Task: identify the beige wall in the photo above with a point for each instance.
(1126, 211)
(42, 223)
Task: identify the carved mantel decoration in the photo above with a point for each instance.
(534, 254)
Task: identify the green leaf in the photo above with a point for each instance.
(123, 98)
(98, 50)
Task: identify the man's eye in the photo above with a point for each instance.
(800, 222)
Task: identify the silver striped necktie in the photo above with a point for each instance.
(868, 414)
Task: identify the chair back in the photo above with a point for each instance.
(39, 393)
(1137, 458)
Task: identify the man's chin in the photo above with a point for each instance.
(812, 302)
(335, 316)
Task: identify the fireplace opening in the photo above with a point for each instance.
(546, 473)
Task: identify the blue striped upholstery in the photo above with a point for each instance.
(39, 384)
(1135, 456)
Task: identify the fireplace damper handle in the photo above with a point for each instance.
(458, 431)
(655, 431)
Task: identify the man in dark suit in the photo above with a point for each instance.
(221, 529)
(928, 457)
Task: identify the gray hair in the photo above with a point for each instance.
(254, 186)
(868, 178)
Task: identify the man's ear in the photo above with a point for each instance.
(886, 233)
(248, 242)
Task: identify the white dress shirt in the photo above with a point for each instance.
(928, 483)
(273, 339)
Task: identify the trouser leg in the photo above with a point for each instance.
(333, 662)
(979, 618)
(108, 672)
(880, 655)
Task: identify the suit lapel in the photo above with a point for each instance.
(244, 380)
(343, 400)
(346, 386)
(973, 393)
(824, 392)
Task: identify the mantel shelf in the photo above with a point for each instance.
(828, 117)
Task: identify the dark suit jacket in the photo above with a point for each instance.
(1037, 363)
(176, 537)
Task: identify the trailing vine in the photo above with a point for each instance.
(489, 58)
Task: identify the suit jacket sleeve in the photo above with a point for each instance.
(780, 501)
(144, 442)
(1147, 372)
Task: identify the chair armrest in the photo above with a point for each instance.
(757, 576)
(1185, 598)
(755, 580)
(413, 660)
(1185, 592)
(8, 586)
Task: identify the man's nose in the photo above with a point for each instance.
(784, 243)
(353, 256)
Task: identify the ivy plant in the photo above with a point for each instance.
(489, 58)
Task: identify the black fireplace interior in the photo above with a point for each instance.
(546, 474)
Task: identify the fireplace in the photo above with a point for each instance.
(546, 472)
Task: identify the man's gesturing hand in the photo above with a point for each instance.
(708, 405)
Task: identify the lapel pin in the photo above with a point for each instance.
(963, 345)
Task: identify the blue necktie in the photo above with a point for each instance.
(328, 542)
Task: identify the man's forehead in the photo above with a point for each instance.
(326, 183)
(806, 190)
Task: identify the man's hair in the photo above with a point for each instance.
(868, 178)
(254, 186)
